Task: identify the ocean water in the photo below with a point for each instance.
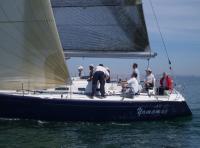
(178, 133)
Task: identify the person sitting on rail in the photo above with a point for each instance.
(166, 83)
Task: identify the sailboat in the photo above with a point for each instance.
(35, 81)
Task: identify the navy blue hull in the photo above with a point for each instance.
(75, 110)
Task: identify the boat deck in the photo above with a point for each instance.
(80, 88)
(71, 96)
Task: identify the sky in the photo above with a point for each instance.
(179, 22)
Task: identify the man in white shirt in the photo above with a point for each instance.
(100, 75)
(135, 70)
(132, 85)
(150, 80)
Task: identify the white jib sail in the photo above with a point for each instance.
(30, 50)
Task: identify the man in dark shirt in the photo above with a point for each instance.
(91, 73)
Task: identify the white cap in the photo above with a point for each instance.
(80, 67)
(149, 69)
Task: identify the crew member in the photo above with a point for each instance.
(91, 73)
(80, 70)
(166, 83)
(135, 70)
(132, 84)
(150, 80)
(100, 75)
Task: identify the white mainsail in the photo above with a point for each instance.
(102, 28)
(30, 50)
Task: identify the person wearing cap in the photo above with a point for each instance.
(150, 80)
(91, 73)
(135, 70)
(80, 70)
(100, 75)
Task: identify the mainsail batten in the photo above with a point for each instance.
(31, 53)
(102, 26)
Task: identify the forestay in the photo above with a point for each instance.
(102, 28)
(30, 50)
